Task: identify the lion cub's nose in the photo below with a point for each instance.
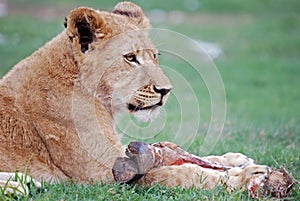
(162, 91)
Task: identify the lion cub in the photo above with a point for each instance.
(57, 106)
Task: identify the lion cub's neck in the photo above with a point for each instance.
(43, 80)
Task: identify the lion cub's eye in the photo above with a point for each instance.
(131, 58)
(155, 56)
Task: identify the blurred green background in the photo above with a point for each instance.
(260, 65)
(260, 40)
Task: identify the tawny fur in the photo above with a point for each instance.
(39, 128)
(46, 102)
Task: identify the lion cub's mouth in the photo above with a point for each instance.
(134, 108)
(146, 113)
(146, 101)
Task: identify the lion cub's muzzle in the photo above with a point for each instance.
(148, 97)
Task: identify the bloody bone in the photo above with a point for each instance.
(275, 183)
(143, 157)
(168, 154)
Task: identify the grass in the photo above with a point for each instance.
(67, 191)
(260, 71)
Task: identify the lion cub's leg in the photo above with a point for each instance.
(186, 175)
(16, 183)
(32, 165)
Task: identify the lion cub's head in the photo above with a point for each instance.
(117, 60)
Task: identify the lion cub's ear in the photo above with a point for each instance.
(133, 12)
(85, 25)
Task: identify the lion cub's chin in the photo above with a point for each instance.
(146, 115)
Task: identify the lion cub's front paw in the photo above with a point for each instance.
(16, 183)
